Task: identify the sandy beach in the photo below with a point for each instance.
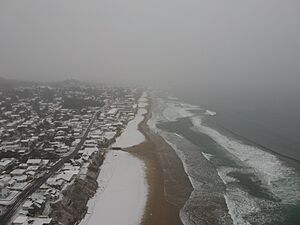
(169, 186)
(123, 189)
(131, 135)
(143, 184)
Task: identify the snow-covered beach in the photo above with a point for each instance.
(131, 135)
(122, 193)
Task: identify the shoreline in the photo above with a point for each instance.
(122, 186)
(122, 191)
(155, 187)
(168, 184)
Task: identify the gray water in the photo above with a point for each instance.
(235, 180)
(270, 119)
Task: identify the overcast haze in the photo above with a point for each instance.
(233, 159)
(240, 58)
(212, 44)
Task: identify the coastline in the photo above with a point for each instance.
(122, 186)
(145, 183)
(168, 184)
(121, 194)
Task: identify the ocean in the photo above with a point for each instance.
(239, 173)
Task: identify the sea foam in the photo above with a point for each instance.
(280, 179)
(276, 176)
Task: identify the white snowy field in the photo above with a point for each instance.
(122, 193)
(131, 135)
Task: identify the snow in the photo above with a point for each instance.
(131, 135)
(122, 192)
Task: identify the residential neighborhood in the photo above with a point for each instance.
(51, 139)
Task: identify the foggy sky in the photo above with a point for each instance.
(211, 44)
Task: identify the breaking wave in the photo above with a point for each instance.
(256, 171)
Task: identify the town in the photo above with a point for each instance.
(53, 141)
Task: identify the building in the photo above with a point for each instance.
(4, 192)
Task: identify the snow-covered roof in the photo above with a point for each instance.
(34, 161)
(20, 219)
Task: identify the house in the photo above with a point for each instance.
(67, 176)
(59, 138)
(88, 152)
(17, 172)
(90, 143)
(34, 162)
(25, 143)
(4, 192)
(19, 186)
(39, 221)
(28, 205)
(62, 149)
(52, 182)
(49, 149)
(11, 182)
(33, 168)
(30, 173)
(36, 206)
(6, 162)
(113, 112)
(20, 220)
(20, 179)
(63, 128)
(52, 194)
(23, 166)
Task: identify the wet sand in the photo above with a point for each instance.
(169, 186)
(166, 183)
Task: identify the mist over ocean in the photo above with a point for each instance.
(269, 118)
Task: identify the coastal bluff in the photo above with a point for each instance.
(72, 207)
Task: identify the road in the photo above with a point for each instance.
(11, 209)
